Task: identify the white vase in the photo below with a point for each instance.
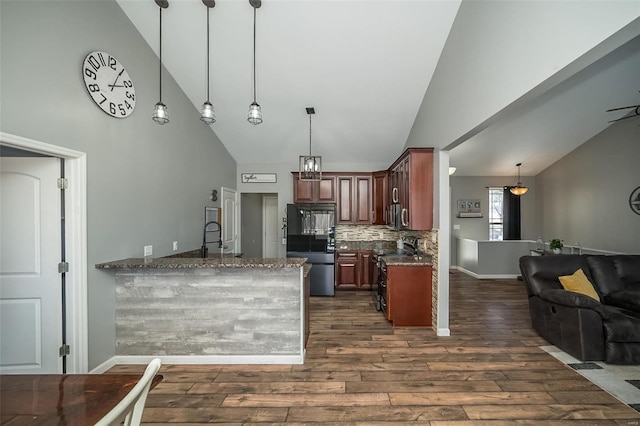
(557, 251)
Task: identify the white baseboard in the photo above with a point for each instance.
(443, 332)
(485, 276)
(198, 359)
(104, 366)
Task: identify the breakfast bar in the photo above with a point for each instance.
(222, 309)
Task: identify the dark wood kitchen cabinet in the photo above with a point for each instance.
(411, 181)
(346, 269)
(323, 191)
(380, 182)
(354, 204)
(409, 295)
(366, 269)
(354, 270)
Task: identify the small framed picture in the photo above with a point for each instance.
(259, 178)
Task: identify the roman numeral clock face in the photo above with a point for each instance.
(109, 84)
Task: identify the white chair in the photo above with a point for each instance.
(129, 410)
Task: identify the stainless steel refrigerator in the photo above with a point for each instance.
(310, 234)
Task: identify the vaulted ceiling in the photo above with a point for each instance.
(365, 66)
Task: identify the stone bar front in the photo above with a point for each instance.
(221, 310)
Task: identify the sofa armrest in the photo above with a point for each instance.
(569, 298)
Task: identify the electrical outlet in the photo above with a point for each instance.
(284, 241)
(175, 246)
(148, 251)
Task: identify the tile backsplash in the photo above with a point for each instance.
(382, 233)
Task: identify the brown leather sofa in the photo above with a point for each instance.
(589, 330)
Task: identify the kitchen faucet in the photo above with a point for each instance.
(203, 249)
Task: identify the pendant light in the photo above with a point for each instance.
(255, 111)
(518, 189)
(160, 114)
(310, 165)
(207, 113)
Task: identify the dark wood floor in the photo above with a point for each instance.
(361, 371)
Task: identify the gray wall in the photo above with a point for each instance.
(498, 54)
(251, 221)
(147, 184)
(475, 187)
(584, 197)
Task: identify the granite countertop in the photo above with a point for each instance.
(212, 262)
(422, 260)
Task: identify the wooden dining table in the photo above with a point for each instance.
(62, 399)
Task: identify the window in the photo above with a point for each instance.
(495, 214)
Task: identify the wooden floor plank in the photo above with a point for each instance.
(361, 371)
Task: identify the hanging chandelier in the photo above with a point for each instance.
(255, 111)
(160, 114)
(518, 189)
(207, 112)
(310, 165)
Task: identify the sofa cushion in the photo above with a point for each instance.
(604, 274)
(578, 283)
(614, 273)
(627, 299)
(620, 325)
(627, 267)
(542, 272)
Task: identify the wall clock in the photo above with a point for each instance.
(109, 84)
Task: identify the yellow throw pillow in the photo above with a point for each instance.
(579, 283)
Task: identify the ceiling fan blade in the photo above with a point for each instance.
(624, 118)
(627, 107)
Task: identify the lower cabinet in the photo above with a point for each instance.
(354, 270)
(409, 295)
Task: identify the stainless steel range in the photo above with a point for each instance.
(409, 248)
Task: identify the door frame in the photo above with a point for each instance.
(76, 243)
(236, 226)
(264, 222)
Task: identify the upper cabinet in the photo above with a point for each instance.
(354, 205)
(306, 191)
(411, 186)
(401, 196)
(380, 196)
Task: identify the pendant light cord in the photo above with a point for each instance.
(309, 135)
(254, 55)
(207, 54)
(160, 63)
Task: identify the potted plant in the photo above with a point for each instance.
(556, 245)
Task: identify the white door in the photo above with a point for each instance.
(30, 295)
(229, 220)
(271, 240)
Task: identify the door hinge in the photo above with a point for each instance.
(63, 183)
(64, 350)
(63, 267)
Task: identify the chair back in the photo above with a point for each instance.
(129, 409)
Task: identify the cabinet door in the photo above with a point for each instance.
(380, 197)
(345, 200)
(409, 295)
(347, 270)
(420, 190)
(326, 190)
(362, 200)
(366, 269)
(302, 190)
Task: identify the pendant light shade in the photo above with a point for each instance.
(207, 112)
(310, 165)
(518, 189)
(160, 113)
(255, 114)
(255, 111)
